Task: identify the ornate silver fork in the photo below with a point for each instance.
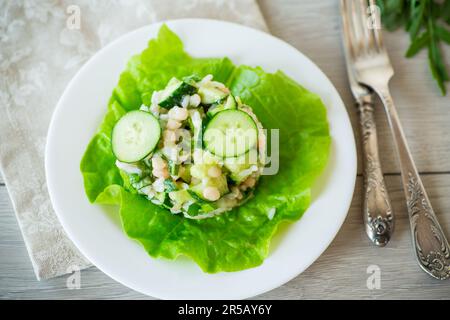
(377, 210)
(372, 68)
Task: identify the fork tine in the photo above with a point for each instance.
(348, 47)
(353, 32)
(375, 30)
(374, 41)
(356, 35)
(361, 18)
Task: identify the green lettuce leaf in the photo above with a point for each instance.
(238, 239)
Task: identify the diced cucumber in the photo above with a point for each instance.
(174, 168)
(207, 207)
(203, 206)
(210, 94)
(240, 176)
(135, 135)
(199, 171)
(163, 199)
(148, 162)
(180, 196)
(194, 209)
(230, 103)
(192, 80)
(142, 183)
(174, 91)
(129, 180)
(201, 166)
(195, 195)
(220, 183)
(169, 185)
(241, 167)
(230, 133)
(185, 173)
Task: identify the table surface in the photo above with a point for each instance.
(342, 271)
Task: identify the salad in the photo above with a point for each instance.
(181, 152)
(196, 149)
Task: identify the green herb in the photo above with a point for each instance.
(169, 185)
(427, 23)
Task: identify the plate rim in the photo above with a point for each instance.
(147, 291)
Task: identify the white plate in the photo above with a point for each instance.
(95, 230)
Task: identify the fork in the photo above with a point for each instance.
(378, 216)
(372, 68)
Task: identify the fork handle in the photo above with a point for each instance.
(429, 241)
(377, 210)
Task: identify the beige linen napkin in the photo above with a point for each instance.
(42, 46)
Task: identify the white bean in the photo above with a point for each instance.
(214, 172)
(158, 185)
(211, 193)
(206, 79)
(195, 100)
(169, 137)
(173, 124)
(243, 186)
(250, 182)
(161, 173)
(154, 109)
(185, 101)
(178, 113)
(236, 193)
(158, 163)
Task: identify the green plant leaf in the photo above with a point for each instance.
(428, 14)
(417, 19)
(418, 44)
(443, 34)
(435, 58)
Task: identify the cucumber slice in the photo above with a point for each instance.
(135, 135)
(174, 92)
(210, 94)
(230, 103)
(230, 133)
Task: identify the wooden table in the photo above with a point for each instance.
(341, 272)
